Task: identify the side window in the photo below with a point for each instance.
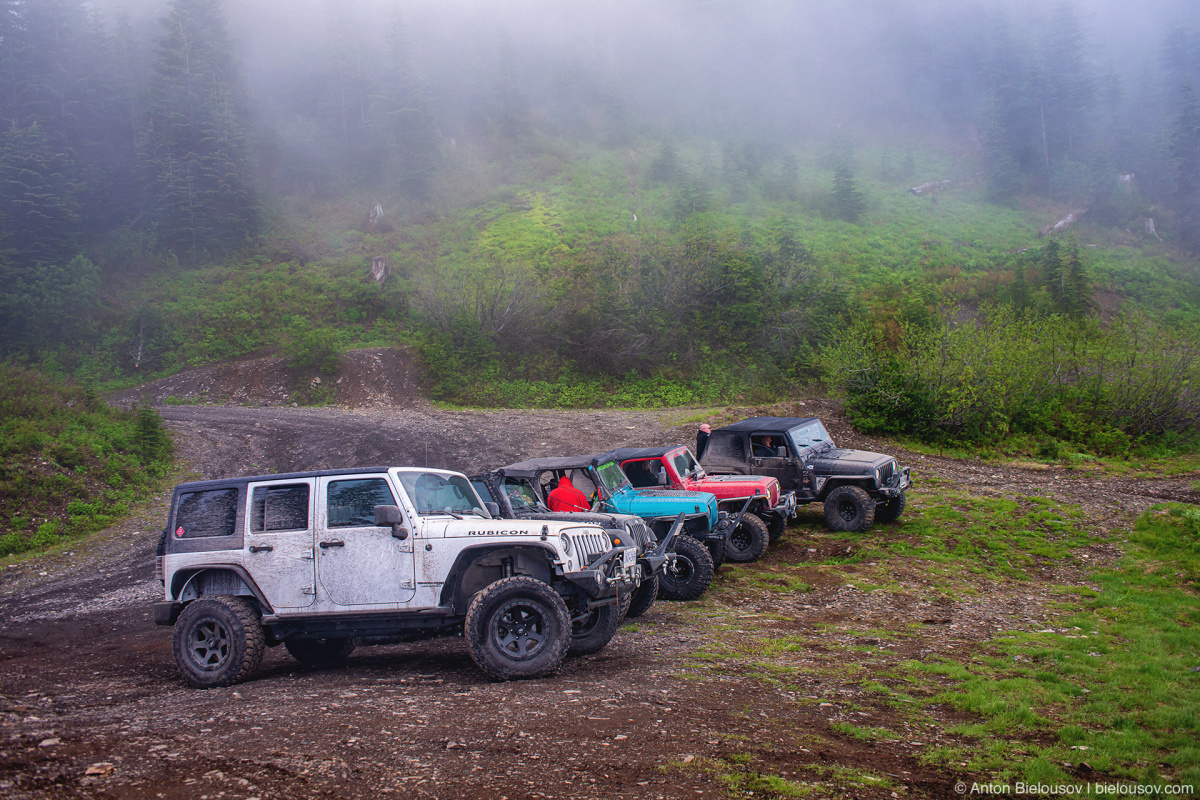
(726, 449)
(279, 508)
(582, 482)
(351, 504)
(766, 445)
(211, 513)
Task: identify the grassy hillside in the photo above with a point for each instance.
(69, 463)
(662, 274)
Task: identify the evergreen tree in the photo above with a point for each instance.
(195, 154)
(665, 164)
(1066, 279)
(39, 198)
(408, 119)
(1071, 90)
(1185, 149)
(1019, 292)
(1077, 289)
(849, 203)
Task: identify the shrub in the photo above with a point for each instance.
(1099, 388)
(316, 349)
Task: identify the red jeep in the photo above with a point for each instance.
(676, 468)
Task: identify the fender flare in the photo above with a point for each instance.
(192, 572)
(452, 594)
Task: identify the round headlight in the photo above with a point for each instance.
(566, 543)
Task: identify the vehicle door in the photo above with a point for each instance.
(771, 454)
(358, 562)
(279, 542)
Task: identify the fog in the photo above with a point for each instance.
(769, 67)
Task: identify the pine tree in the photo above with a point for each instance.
(39, 198)
(408, 119)
(1185, 149)
(195, 155)
(848, 202)
(1066, 279)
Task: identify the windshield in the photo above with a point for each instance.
(611, 476)
(434, 493)
(811, 435)
(521, 495)
(684, 463)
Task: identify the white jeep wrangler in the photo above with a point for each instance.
(321, 561)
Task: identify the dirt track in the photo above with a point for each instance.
(91, 704)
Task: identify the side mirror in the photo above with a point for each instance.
(781, 452)
(390, 517)
(492, 508)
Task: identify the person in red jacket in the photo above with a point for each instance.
(567, 498)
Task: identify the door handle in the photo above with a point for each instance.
(334, 543)
(260, 548)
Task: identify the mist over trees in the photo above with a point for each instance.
(153, 138)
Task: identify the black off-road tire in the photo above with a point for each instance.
(591, 634)
(218, 641)
(776, 525)
(516, 628)
(624, 599)
(717, 550)
(849, 508)
(748, 541)
(643, 597)
(890, 510)
(688, 575)
(320, 652)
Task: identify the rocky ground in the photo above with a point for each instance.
(91, 704)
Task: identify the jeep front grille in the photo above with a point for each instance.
(887, 472)
(591, 544)
(642, 536)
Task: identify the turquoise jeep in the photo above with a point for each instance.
(610, 491)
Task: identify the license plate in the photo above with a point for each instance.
(630, 557)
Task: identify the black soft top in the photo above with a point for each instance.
(766, 424)
(218, 483)
(626, 453)
(535, 466)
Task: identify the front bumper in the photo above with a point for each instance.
(786, 507)
(618, 567)
(899, 483)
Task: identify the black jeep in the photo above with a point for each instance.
(695, 555)
(857, 487)
(516, 497)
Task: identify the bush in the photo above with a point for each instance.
(68, 459)
(316, 349)
(1101, 389)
